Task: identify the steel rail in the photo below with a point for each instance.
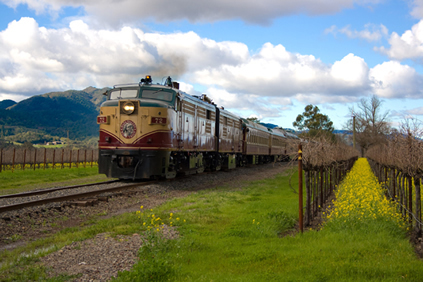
(70, 197)
(49, 190)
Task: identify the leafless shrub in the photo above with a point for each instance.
(324, 153)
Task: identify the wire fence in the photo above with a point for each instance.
(43, 158)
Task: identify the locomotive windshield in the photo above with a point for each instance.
(159, 94)
(123, 93)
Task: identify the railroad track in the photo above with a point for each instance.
(11, 205)
(63, 198)
(49, 190)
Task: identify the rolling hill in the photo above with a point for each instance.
(54, 114)
(6, 103)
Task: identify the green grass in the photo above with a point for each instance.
(25, 180)
(50, 146)
(238, 235)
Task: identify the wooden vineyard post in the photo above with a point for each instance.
(308, 197)
(45, 157)
(35, 158)
(321, 187)
(70, 158)
(63, 152)
(54, 156)
(77, 159)
(13, 159)
(24, 160)
(85, 158)
(410, 198)
(315, 193)
(404, 195)
(327, 179)
(386, 178)
(300, 186)
(394, 181)
(1, 160)
(92, 157)
(418, 205)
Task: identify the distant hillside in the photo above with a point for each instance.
(269, 125)
(345, 132)
(6, 103)
(57, 112)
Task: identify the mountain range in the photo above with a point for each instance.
(54, 114)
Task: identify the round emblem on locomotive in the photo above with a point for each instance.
(128, 129)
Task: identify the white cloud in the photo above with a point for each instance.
(394, 80)
(416, 111)
(36, 60)
(351, 70)
(417, 9)
(407, 46)
(275, 72)
(371, 32)
(260, 12)
(14, 97)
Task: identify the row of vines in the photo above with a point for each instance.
(324, 164)
(12, 158)
(398, 164)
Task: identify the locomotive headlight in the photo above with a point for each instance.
(128, 108)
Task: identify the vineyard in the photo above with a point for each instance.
(325, 164)
(13, 159)
(397, 162)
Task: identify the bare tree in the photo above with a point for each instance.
(412, 127)
(371, 124)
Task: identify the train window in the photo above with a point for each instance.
(159, 94)
(208, 114)
(225, 121)
(123, 93)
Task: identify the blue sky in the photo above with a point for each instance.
(267, 59)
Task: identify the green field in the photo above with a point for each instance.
(25, 180)
(242, 234)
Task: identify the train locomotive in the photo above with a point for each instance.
(158, 131)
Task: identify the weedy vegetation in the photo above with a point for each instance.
(25, 180)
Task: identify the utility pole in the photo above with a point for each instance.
(300, 186)
(353, 131)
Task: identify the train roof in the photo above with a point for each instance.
(175, 87)
(229, 114)
(251, 124)
(195, 100)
